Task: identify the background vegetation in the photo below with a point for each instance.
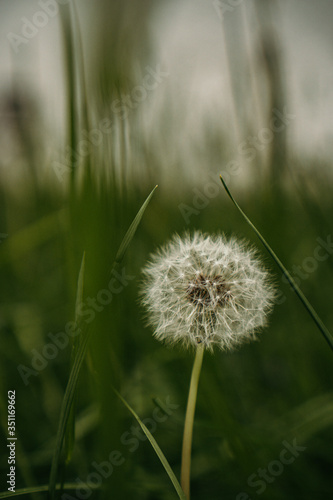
(250, 401)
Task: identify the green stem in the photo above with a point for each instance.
(189, 419)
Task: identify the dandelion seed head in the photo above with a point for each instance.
(210, 290)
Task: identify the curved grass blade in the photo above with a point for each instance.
(39, 489)
(80, 355)
(157, 449)
(131, 230)
(325, 332)
(66, 408)
(70, 427)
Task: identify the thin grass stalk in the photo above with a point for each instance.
(325, 332)
(44, 488)
(80, 356)
(155, 446)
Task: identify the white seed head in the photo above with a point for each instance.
(207, 290)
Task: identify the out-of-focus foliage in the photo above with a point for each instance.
(250, 401)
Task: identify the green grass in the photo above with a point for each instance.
(250, 401)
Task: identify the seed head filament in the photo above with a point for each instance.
(207, 289)
(208, 292)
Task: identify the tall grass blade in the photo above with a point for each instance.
(80, 355)
(79, 290)
(70, 428)
(131, 230)
(157, 449)
(38, 489)
(69, 53)
(66, 408)
(325, 332)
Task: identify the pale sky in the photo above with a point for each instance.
(187, 40)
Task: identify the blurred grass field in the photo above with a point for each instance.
(250, 401)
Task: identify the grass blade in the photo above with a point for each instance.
(157, 449)
(70, 427)
(38, 489)
(325, 332)
(66, 409)
(80, 355)
(68, 43)
(79, 290)
(131, 230)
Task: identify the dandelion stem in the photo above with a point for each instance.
(189, 419)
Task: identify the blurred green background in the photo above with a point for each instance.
(99, 103)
